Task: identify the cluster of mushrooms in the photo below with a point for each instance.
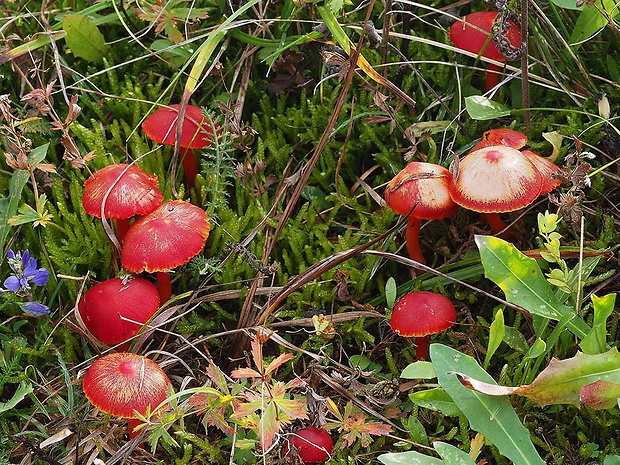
(114, 311)
(495, 177)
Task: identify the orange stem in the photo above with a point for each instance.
(122, 225)
(497, 225)
(412, 238)
(421, 348)
(492, 78)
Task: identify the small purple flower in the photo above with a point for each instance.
(34, 308)
(25, 272)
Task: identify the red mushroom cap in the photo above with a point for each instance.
(424, 184)
(161, 127)
(496, 179)
(471, 33)
(547, 170)
(314, 445)
(165, 238)
(123, 383)
(103, 307)
(501, 136)
(134, 193)
(422, 313)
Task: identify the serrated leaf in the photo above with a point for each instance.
(84, 38)
(523, 283)
(482, 108)
(492, 416)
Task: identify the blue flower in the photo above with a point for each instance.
(34, 308)
(25, 272)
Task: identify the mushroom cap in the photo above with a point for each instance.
(103, 307)
(165, 238)
(314, 445)
(547, 169)
(133, 192)
(418, 314)
(161, 127)
(424, 184)
(501, 136)
(122, 383)
(496, 179)
(467, 34)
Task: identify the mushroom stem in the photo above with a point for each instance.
(122, 225)
(498, 226)
(492, 76)
(413, 239)
(421, 348)
(190, 167)
(132, 423)
(164, 286)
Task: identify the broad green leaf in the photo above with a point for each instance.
(452, 455)
(22, 391)
(10, 204)
(591, 20)
(492, 416)
(436, 399)
(417, 432)
(84, 38)
(482, 108)
(515, 339)
(569, 4)
(596, 341)
(523, 283)
(537, 349)
(612, 460)
(496, 336)
(409, 458)
(419, 370)
(390, 292)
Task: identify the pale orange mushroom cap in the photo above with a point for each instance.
(133, 192)
(496, 179)
(123, 383)
(425, 186)
(165, 238)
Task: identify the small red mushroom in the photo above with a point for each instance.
(164, 239)
(123, 383)
(420, 314)
(314, 445)
(472, 34)
(501, 136)
(115, 310)
(495, 180)
(121, 191)
(161, 127)
(420, 190)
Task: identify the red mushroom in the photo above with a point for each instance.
(501, 136)
(123, 383)
(472, 34)
(115, 310)
(119, 192)
(420, 314)
(314, 445)
(495, 180)
(161, 127)
(164, 239)
(420, 190)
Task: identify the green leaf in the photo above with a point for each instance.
(452, 455)
(568, 4)
(390, 292)
(523, 283)
(437, 400)
(591, 20)
(492, 416)
(515, 339)
(596, 341)
(9, 204)
(496, 336)
(612, 460)
(84, 38)
(419, 370)
(482, 108)
(417, 432)
(600, 395)
(409, 458)
(22, 391)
